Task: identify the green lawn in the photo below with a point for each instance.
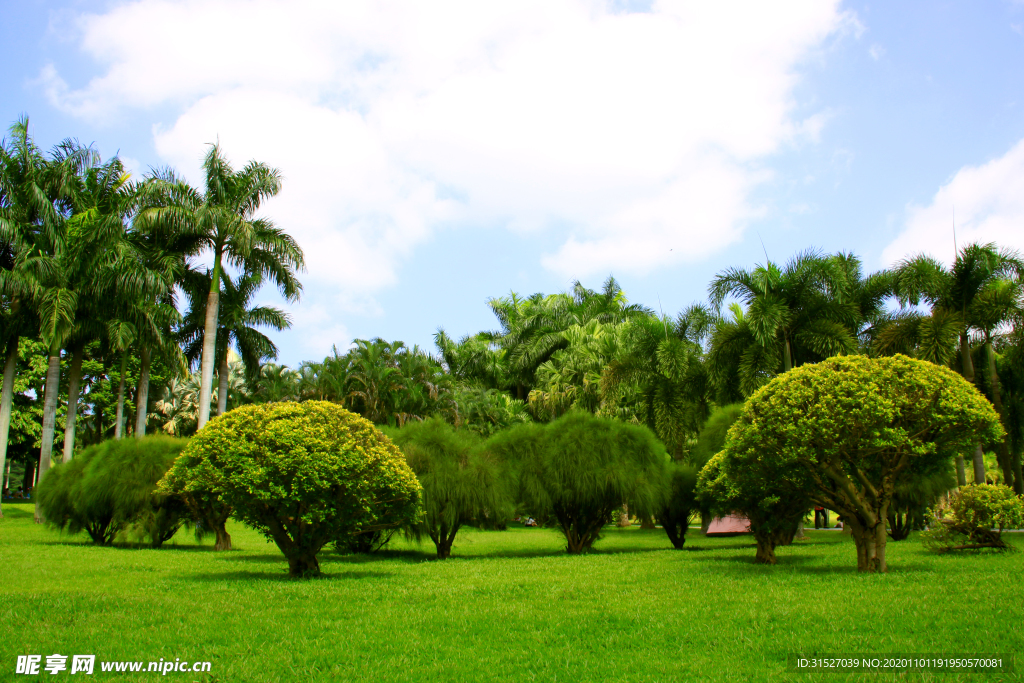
(508, 606)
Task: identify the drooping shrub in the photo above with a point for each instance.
(581, 469)
(680, 503)
(126, 471)
(462, 482)
(67, 505)
(111, 487)
(302, 474)
(973, 518)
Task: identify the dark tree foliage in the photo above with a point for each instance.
(680, 503)
(580, 469)
(462, 482)
(127, 471)
(110, 487)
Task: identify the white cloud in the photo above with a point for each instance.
(876, 51)
(988, 203)
(642, 132)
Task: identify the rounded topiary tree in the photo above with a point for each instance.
(302, 474)
(462, 482)
(581, 468)
(857, 427)
(773, 498)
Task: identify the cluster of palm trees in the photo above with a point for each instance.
(592, 351)
(92, 264)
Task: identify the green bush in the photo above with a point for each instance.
(302, 474)
(581, 469)
(857, 427)
(111, 486)
(462, 483)
(680, 503)
(974, 518)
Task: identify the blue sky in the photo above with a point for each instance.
(438, 154)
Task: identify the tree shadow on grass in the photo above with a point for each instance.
(284, 577)
(16, 513)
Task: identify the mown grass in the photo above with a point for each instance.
(508, 606)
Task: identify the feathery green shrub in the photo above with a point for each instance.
(462, 482)
(581, 469)
(680, 503)
(111, 487)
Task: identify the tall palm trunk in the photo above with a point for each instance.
(119, 426)
(49, 418)
(787, 357)
(142, 394)
(77, 351)
(968, 371)
(222, 386)
(209, 346)
(1003, 454)
(6, 398)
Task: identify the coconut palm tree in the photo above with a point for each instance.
(803, 312)
(957, 294)
(222, 221)
(29, 187)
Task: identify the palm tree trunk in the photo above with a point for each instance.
(119, 426)
(961, 471)
(1003, 452)
(979, 464)
(787, 357)
(209, 347)
(967, 368)
(77, 351)
(1018, 476)
(222, 386)
(49, 418)
(142, 394)
(6, 398)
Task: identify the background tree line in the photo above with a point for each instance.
(113, 326)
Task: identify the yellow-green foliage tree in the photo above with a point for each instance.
(302, 474)
(858, 427)
(462, 482)
(773, 497)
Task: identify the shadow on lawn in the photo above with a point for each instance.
(282, 576)
(11, 512)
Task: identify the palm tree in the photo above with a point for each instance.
(800, 313)
(222, 220)
(237, 323)
(29, 187)
(957, 295)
